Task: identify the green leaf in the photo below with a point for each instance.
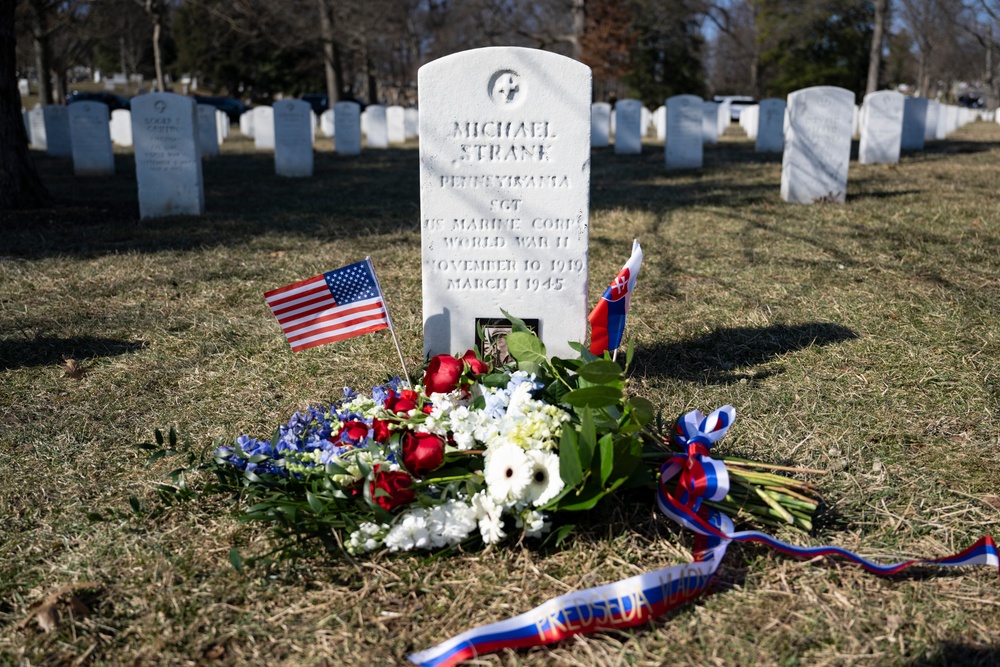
(570, 465)
(561, 533)
(630, 353)
(585, 354)
(588, 438)
(158, 434)
(516, 322)
(526, 347)
(334, 469)
(593, 397)
(607, 446)
(155, 456)
(148, 446)
(315, 504)
(235, 559)
(600, 372)
(134, 503)
(95, 516)
(495, 380)
(642, 410)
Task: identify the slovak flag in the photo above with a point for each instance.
(607, 319)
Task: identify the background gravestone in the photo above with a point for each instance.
(710, 122)
(347, 128)
(684, 147)
(263, 128)
(660, 122)
(90, 136)
(770, 130)
(293, 138)
(504, 194)
(930, 122)
(411, 122)
(58, 143)
(121, 127)
(376, 130)
(600, 125)
(881, 128)
(246, 123)
(208, 129)
(36, 124)
(817, 145)
(628, 127)
(395, 123)
(326, 123)
(167, 159)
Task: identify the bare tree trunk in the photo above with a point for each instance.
(329, 52)
(62, 86)
(157, 56)
(43, 57)
(579, 11)
(20, 186)
(875, 55)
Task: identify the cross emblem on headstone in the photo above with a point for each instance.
(507, 88)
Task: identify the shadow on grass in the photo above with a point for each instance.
(714, 358)
(45, 350)
(955, 654)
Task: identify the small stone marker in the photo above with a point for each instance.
(710, 122)
(246, 123)
(628, 124)
(395, 121)
(23, 87)
(167, 159)
(770, 124)
(121, 127)
(326, 123)
(600, 125)
(293, 141)
(377, 134)
(684, 146)
(57, 131)
(90, 136)
(881, 127)
(36, 123)
(411, 123)
(208, 127)
(817, 145)
(347, 128)
(504, 194)
(263, 128)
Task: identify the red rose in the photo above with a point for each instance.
(443, 374)
(476, 365)
(422, 452)
(406, 401)
(353, 432)
(396, 484)
(380, 431)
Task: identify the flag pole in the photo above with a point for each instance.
(388, 319)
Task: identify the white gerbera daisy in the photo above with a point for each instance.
(508, 473)
(544, 481)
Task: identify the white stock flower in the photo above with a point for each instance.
(490, 517)
(545, 482)
(411, 532)
(452, 522)
(508, 473)
(534, 524)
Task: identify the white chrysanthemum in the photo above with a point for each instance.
(544, 483)
(490, 517)
(508, 473)
(533, 523)
(411, 532)
(452, 522)
(463, 425)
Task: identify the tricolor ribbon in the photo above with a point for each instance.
(638, 599)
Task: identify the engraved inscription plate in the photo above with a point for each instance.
(504, 194)
(817, 145)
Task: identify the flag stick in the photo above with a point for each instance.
(385, 304)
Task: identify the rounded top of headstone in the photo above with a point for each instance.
(88, 107)
(684, 98)
(834, 91)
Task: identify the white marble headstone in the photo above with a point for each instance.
(167, 159)
(600, 124)
(930, 125)
(293, 144)
(628, 127)
(208, 131)
(504, 194)
(90, 136)
(684, 145)
(222, 125)
(347, 128)
(57, 131)
(817, 145)
(710, 122)
(377, 135)
(725, 117)
(36, 124)
(395, 122)
(770, 126)
(246, 123)
(23, 87)
(326, 123)
(411, 122)
(263, 128)
(881, 128)
(660, 122)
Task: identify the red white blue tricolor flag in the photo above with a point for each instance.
(607, 319)
(333, 306)
(686, 479)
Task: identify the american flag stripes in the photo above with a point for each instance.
(336, 305)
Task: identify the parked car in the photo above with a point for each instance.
(737, 103)
(113, 101)
(318, 101)
(231, 106)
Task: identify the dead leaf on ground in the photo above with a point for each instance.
(46, 611)
(276, 253)
(72, 368)
(216, 652)
(992, 500)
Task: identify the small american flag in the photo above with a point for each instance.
(339, 304)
